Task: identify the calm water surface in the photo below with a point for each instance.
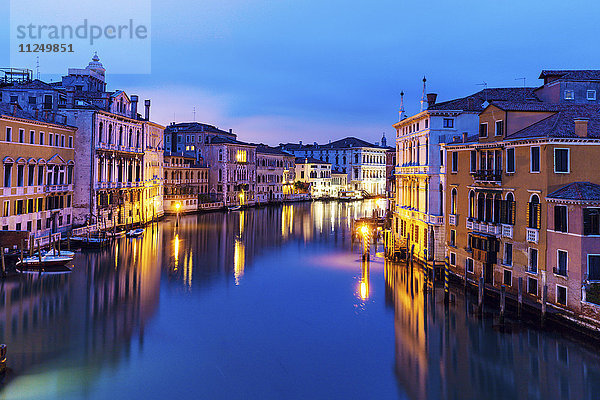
(267, 304)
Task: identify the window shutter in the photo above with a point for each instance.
(504, 211)
(528, 214)
(538, 223)
(586, 222)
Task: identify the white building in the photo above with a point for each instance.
(316, 173)
(363, 162)
(420, 177)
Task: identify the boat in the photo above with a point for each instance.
(89, 241)
(136, 232)
(54, 252)
(234, 208)
(44, 261)
(116, 234)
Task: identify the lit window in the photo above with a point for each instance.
(569, 94)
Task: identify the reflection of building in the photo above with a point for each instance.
(316, 173)
(186, 182)
(37, 171)
(95, 311)
(450, 353)
(363, 162)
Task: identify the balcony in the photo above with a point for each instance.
(507, 231)
(491, 228)
(484, 256)
(487, 175)
(560, 271)
(532, 235)
(469, 224)
(56, 188)
(452, 219)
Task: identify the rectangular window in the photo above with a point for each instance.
(594, 267)
(561, 160)
(30, 175)
(6, 209)
(533, 260)
(62, 140)
(452, 237)
(41, 138)
(561, 263)
(453, 259)
(507, 277)
(469, 265)
(473, 166)
(426, 123)
(534, 156)
(8, 134)
(532, 286)
(510, 160)
(70, 142)
(442, 158)
(483, 130)
(454, 161)
(20, 175)
(448, 123)
(50, 137)
(591, 221)
(21, 135)
(31, 137)
(569, 94)
(560, 218)
(591, 95)
(561, 295)
(499, 128)
(32, 100)
(508, 253)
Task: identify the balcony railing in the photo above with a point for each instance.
(56, 188)
(484, 227)
(452, 219)
(487, 175)
(469, 224)
(560, 271)
(532, 235)
(507, 231)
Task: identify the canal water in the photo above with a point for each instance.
(268, 303)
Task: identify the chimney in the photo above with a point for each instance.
(14, 108)
(581, 127)
(301, 143)
(230, 130)
(147, 112)
(464, 137)
(134, 103)
(456, 139)
(431, 98)
(315, 143)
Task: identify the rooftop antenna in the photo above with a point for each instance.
(194, 114)
(37, 67)
(518, 79)
(484, 84)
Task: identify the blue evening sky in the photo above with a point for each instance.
(279, 71)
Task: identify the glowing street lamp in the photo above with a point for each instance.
(177, 207)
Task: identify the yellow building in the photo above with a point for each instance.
(37, 171)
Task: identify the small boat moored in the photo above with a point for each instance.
(88, 241)
(234, 208)
(45, 261)
(135, 232)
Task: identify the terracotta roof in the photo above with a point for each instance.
(572, 74)
(475, 102)
(562, 123)
(227, 139)
(511, 105)
(577, 191)
(6, 110)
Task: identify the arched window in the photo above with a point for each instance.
(471, 204)
(120, 136)
(497, 203)
(453, 195)
(534, 216)
(510, 208)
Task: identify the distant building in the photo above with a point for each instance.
(192, 138)
(152, 199)
(317, 174)
(186, 183)
(232, 170)
(364, 163)
(339, 182)
(38, 162)
(270, 169)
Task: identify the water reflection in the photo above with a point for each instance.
(89, 315)
(451, 354)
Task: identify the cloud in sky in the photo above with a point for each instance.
(313, 70)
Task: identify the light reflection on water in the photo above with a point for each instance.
(266, 303)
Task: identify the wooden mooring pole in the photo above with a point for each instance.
(480, 298)
(520, 297)
(446, 279)
(502, 302)
(3, 261)
(544, 299)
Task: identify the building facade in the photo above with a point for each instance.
(38, 161)
(315, 173)
(192, 138)
(364, 163)
(186, 183)
(152, 196)
(270, 169)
